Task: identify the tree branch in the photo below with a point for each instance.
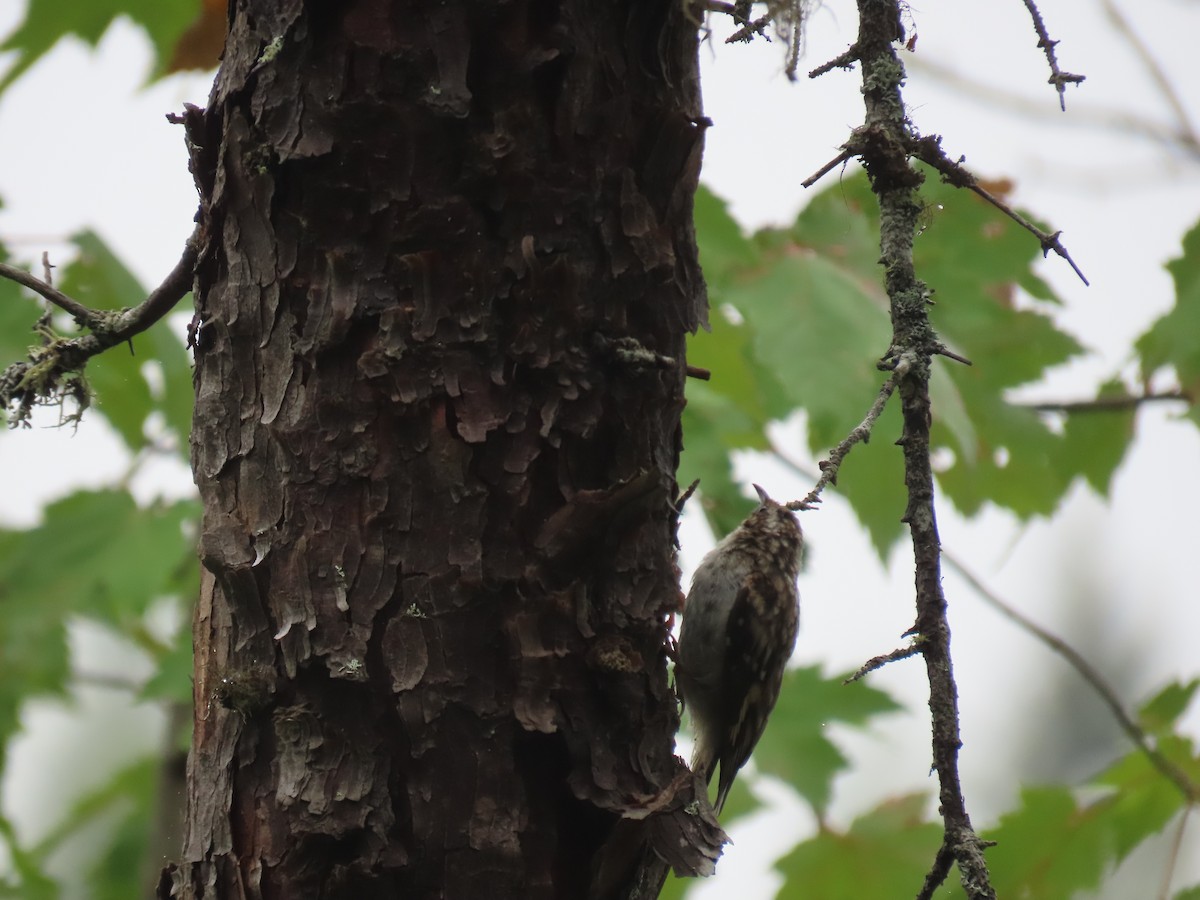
(869, 140)
(1155, 71)
(1117, 121)
(1164, 891)
(878, 662)
(1089, 674)
(83, 315)
(845, 156)
(929, 151)
(885, 139)
(1115, 403)
(861, 433)
(1058, 78)
(47, 374)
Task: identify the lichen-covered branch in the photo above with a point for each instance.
(53, 369)
(883, 140)
(860, 434)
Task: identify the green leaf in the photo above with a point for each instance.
(1095, 443)
(820, 330)
(1053, 846)
(1192, 893)
(971, 258)
(32, 882)
(99, 280)
(1048, 847)
(128, 799)
(1174, 338)
(885, 853)
(795, 746)
(1160, 713)
(816, 319)
(33, 645)
(1145, 801)
(674, 888)
(45, 23)
(173, 680)
(724, 249)
(98, 554)
(729, 413)
(18, 313)
(707, 445)
(872, 480)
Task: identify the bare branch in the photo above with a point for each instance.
(686, 495)
(929, 151)
(1115, 403)
(861, 433)
(878, 662)
(943, 350)
(1155, 71)
(843, 157)
(751, 30)
(869, 139)
(53, 368)
(1164, 890)
(85, 316)
(1120, 122)
(1089, 674)
(1058, 78)
(842, 61)
(937, 872)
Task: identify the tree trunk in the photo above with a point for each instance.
(447, 274)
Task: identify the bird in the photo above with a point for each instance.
(740, 621)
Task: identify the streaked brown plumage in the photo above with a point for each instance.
(739, 630)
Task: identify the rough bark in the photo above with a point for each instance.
(447, 268)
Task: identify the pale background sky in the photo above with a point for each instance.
(85, 146)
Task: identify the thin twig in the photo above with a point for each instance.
(943, 350)
(131, 321)
(107, 681)
(1058, 78)
(1120, 122)
(937, 872)
(1151, 64)
(686, 495)
(1164, 890)
(1076, 660)
(860, 433)
(84, 315)
(929, 151)
(1088, 673)
(751, 30)
(1048, 241)
(878, 662)
(842, 61)
(844, 156)
(36, 380)
(1116, 403)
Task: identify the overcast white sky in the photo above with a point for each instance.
(85, 146)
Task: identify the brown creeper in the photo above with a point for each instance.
(739, 629)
